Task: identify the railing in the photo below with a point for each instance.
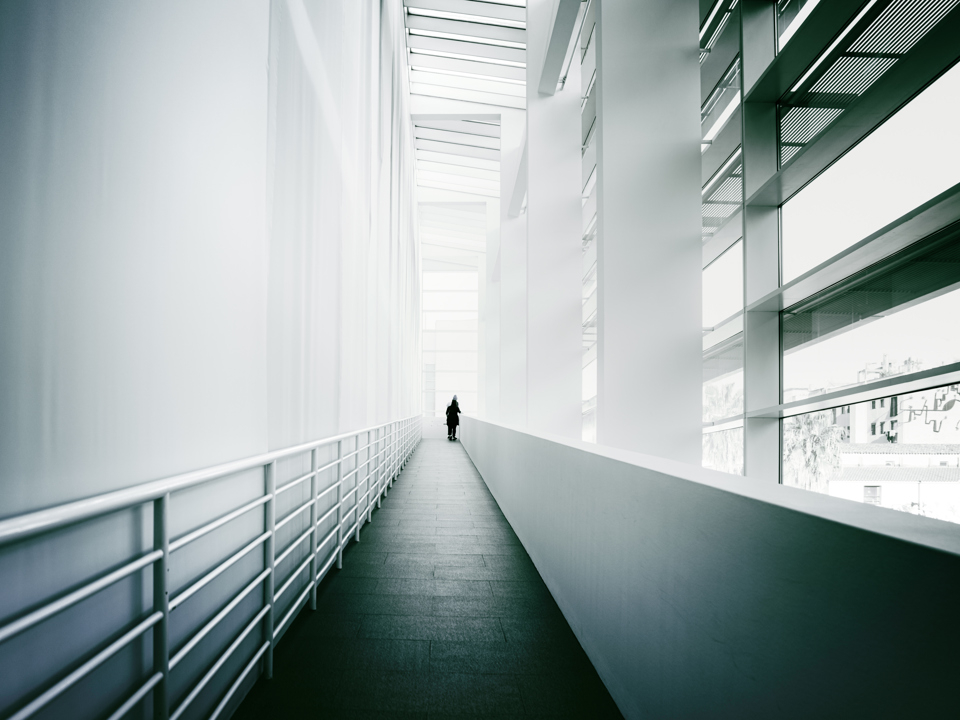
(378, 462)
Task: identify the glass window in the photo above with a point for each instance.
(890, 319)
(911, 158)
(723, 286)
(720, 105)
(913, 467)
(723, 380)
(790, 16)
(723, 450)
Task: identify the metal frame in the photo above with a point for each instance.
(771, 75)
(387, 448)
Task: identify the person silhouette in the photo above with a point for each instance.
(453, 410)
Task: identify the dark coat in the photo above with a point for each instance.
(453, 410)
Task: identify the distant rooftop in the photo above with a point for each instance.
(899, 449)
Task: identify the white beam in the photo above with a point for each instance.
(564, 22)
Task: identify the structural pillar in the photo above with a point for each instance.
(513, 280)
(554, 255)
(761, 250)
(648, 246)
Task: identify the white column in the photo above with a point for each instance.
(490, 319)
(554, 256)
(649, 250)
(513, 280)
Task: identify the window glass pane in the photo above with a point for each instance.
(790, 16)
(722, 196)
(902, 454)
(723, 381)
(720, 105)
(908, 160)
(884, 321)
(723, 450)
(723, 286)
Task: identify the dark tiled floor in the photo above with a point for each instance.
(437, 612)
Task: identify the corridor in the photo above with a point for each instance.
(437, 611)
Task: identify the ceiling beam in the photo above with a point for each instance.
(563, 24)
(473, 96)
(460, 126)
(491, 11)
(467, 49)
(467, 67)
(470, 29)
(491, 85)
(457, 138)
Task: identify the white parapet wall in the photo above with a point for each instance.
(698, 594)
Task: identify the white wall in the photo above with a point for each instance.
(207, 250)
(197, 256)
(697, 594)
(554, 254)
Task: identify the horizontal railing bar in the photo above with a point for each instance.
(236, 683)
(292, 611)
(329, 465)
(293, 576)
(33, 523)
(292, 546)
(326, 539)
(349, 534)
(202, 582)
(294, 483)
(329, 489)
(327, 514)
(352, 472)
(327, 564)
(136, 697)
(211, 526)
(348, 493)
(292, 515)
(205, 630)
(87, 667)
(218, 664)
(40, 614)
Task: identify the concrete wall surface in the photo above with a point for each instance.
(698, 594)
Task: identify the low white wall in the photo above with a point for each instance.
(700, 594)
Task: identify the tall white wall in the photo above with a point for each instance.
(204, 252)
(649, 265)
(554, 256)
(207, 250)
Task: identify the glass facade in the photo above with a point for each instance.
(910, 159)
(831, 269)
(723, 286)
(900, 452)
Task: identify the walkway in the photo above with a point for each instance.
(437, 611)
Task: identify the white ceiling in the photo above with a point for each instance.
(468, 50)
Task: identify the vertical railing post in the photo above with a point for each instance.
(367, 510)
(313, 533)
(356, 494)
(161, 603)
(393, 452)
(380, 458)
(339, 504)
(269, 559)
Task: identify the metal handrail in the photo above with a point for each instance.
(388, 446)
